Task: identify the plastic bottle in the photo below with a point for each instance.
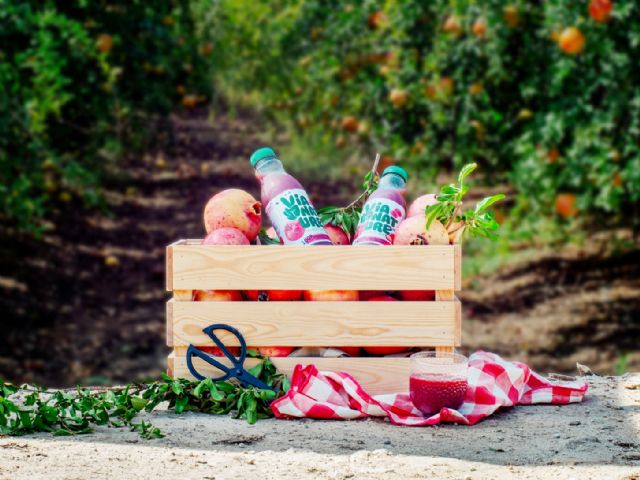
(287, 204)
(384, 209)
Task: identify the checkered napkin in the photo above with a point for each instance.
(493, 383)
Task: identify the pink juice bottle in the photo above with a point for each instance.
(384, 209)
(287, 204)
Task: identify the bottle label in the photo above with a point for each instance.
(295, 220)
(378, 222)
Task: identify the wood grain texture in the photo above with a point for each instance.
(376, 375)
(457, 266)
(458, 323)
(169, 267)
(169, 321)
(240, 267)
(317, 323)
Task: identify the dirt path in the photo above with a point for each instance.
(598, 439)
(86, 304)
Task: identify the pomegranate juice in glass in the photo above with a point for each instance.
(437, 381)
(287, 204)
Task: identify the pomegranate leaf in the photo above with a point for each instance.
(477, 222)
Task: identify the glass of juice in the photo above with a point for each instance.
(437, 380)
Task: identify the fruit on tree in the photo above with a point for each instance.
(476, 88)
(566, 205)
(206, 49)
(452, 25)
(418, 206)
(553, 154)
(383, 350)
(525, 114)
(617, 180)
(511, 16)
(413, 231)
(337, 235)
(273, 295)
(446, 86)
(398, 97)
(190, 101)
(104, 43)
(363, 128)
(600, 10)
(217, 296)
(226, 236)
(274, 351)
(349, 124)
(236, 209)
(331, 295)
(571, 41)
(479, 27)
(385, 161)
(377, 20)
(442, 89)
(418, 295)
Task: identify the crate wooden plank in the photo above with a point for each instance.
(317, 323)
(244, 267)
(377, 375)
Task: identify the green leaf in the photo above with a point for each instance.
(266, 239)
(488, 201)
(256, 370)
(181, 404)
(466, 171)
(139, 403)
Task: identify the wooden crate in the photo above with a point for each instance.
(191, 266)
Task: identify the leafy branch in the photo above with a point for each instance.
(479, 221)
(28, 408)
(348, 217)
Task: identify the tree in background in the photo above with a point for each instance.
(80, 81)
(543, 94)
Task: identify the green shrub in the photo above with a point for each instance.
(79, 80)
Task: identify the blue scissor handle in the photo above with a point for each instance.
(237, 370)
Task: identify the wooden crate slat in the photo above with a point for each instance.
(377, 375)
(240, 267)
(317, 323)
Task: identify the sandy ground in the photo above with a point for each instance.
(598, 439)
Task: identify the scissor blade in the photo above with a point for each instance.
(245, 378)
(193, 351)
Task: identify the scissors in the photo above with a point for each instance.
(236, 370)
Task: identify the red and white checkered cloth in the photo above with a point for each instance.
(493, 383)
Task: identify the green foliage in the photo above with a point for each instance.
(479, 222)
(509, 100)
(28, 409)
(621, 365)
(348, 217)
(76, 79)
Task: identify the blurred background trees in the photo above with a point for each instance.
(81, 81)
(543, 94)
